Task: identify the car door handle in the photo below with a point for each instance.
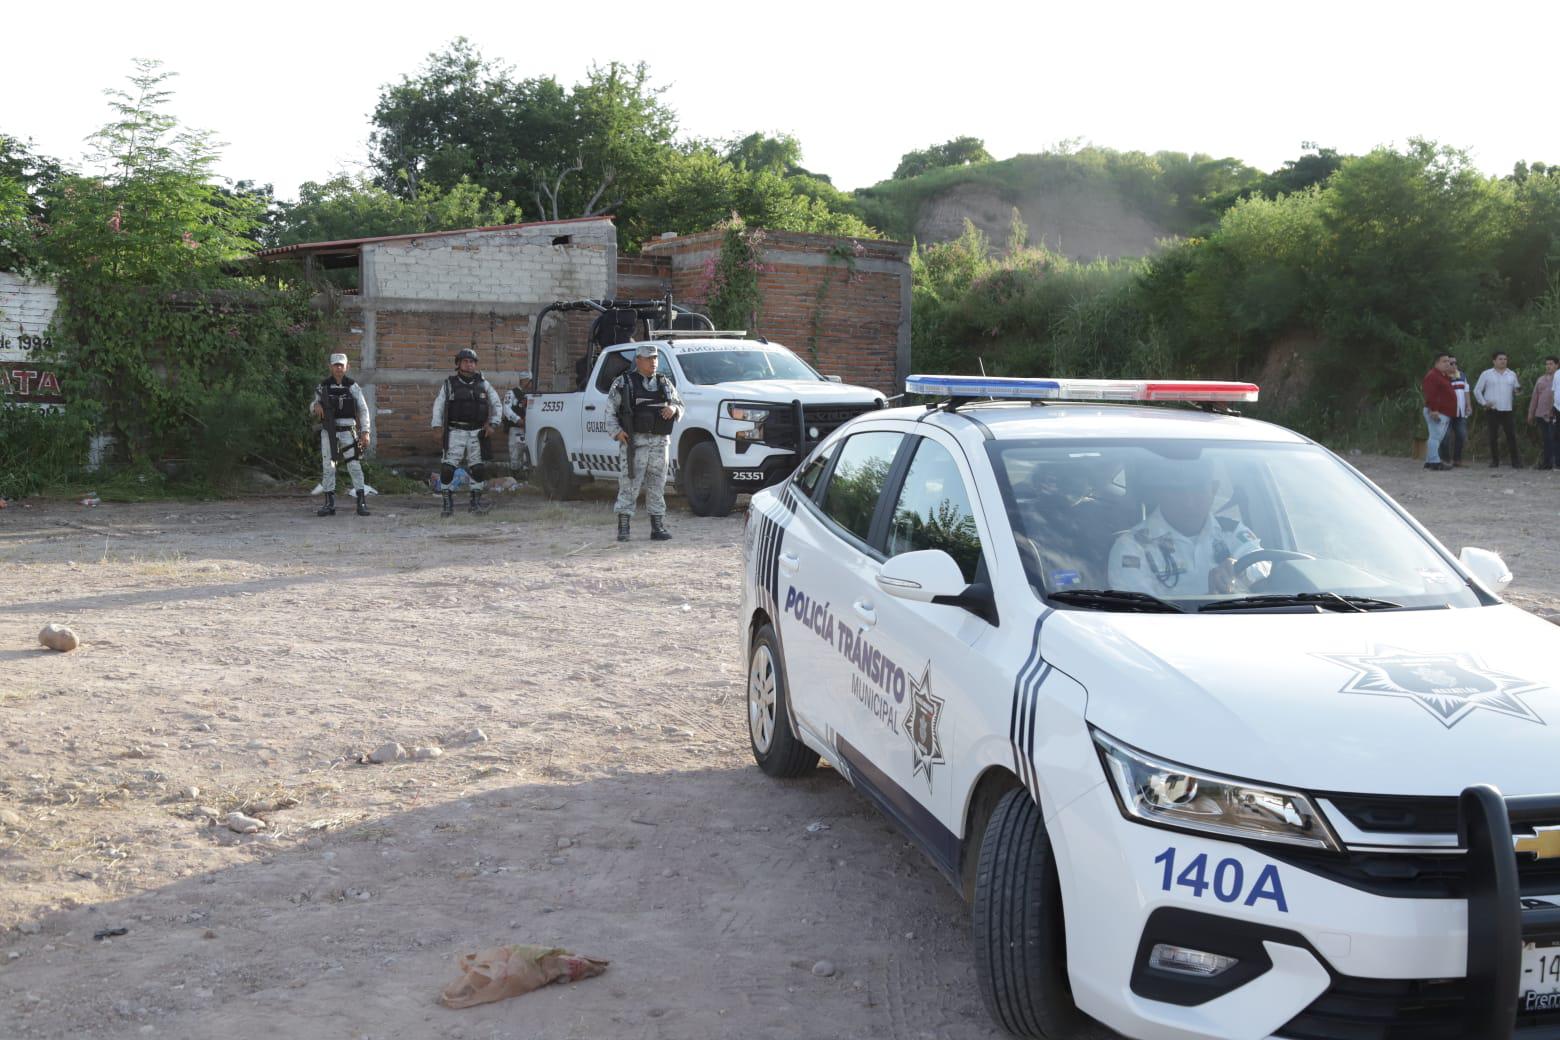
(590, 408)
(789, 562)
(865, 612)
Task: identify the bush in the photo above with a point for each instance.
(40, 448)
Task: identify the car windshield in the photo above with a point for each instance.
(1212, 525)
(707, 365)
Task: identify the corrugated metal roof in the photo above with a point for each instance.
(350, 245)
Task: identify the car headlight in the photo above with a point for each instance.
(1156, 791)
(747, 412)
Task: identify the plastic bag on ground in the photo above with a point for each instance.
(508, 971)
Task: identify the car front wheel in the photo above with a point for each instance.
(1016, 921)
(776, 747)
(705, 483)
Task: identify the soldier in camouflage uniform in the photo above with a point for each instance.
(514, 426)
(342, 410)
(642, 407)
(467, 409)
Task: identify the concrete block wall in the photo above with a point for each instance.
(842, 304)
(26, 309)
(525, 264)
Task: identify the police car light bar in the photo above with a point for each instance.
(1082, 389)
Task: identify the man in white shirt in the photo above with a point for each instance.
(1183, 549)
(1496, 391)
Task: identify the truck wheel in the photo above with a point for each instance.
(776, 747)
(558, 480)
(1016, 921)
(704, 481)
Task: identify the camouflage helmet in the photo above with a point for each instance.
(464, 353)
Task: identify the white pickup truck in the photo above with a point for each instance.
(753, 410)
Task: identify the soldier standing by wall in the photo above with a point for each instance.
(514, 424)
(642, 407)
(342, 410)
(467, 408)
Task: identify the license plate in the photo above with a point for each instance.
(1539, 989)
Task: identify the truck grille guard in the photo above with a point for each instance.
(1498, 923)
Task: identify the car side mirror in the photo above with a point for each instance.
(835, 379)
(922, 576)
(931, 576)
(1486, 566)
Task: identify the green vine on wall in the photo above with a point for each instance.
(847, 254)
(731, 276)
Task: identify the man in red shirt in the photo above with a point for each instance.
(1440, 408)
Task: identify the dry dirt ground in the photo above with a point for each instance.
(242, 655)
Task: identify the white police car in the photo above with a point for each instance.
(1214, 737)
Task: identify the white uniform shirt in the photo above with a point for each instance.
(1497, 390)
(1157, 559)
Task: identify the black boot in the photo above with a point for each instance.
(362, 497)
(329, 508)
(658, 532)
(476, 505)
(623, 519)
(449, 504)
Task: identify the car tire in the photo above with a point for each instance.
(1017, 928)
(703, 480)
(558, 480)
(776, 747)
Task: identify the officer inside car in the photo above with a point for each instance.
(1182, 548)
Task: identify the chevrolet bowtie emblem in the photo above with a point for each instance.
(1544, 842)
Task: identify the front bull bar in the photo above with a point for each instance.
(1498, 924)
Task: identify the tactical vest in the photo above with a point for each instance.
(465, 404)
(339, 407)
(646, 399)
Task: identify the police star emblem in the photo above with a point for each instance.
(1449, 686)
(921, 726)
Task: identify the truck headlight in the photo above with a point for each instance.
(747, 412)
(1156, 791)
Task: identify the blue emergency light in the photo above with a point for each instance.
(1041, 389)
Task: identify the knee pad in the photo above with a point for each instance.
(479, 472)
(446, 474)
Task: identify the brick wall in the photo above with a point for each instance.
(843, 304)
(26, 309)
(425, 298)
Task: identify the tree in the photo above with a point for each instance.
(699, 189)
(354, 207)
(158, 339)
(571, 151)
(961, 151)
(1411, 262)
(156, 213)
(25, 181)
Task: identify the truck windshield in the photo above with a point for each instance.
(1197, 523)
(722, 365)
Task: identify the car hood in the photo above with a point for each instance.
(784, 391)
(1401, 702)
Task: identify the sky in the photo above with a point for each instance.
(290, 87)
